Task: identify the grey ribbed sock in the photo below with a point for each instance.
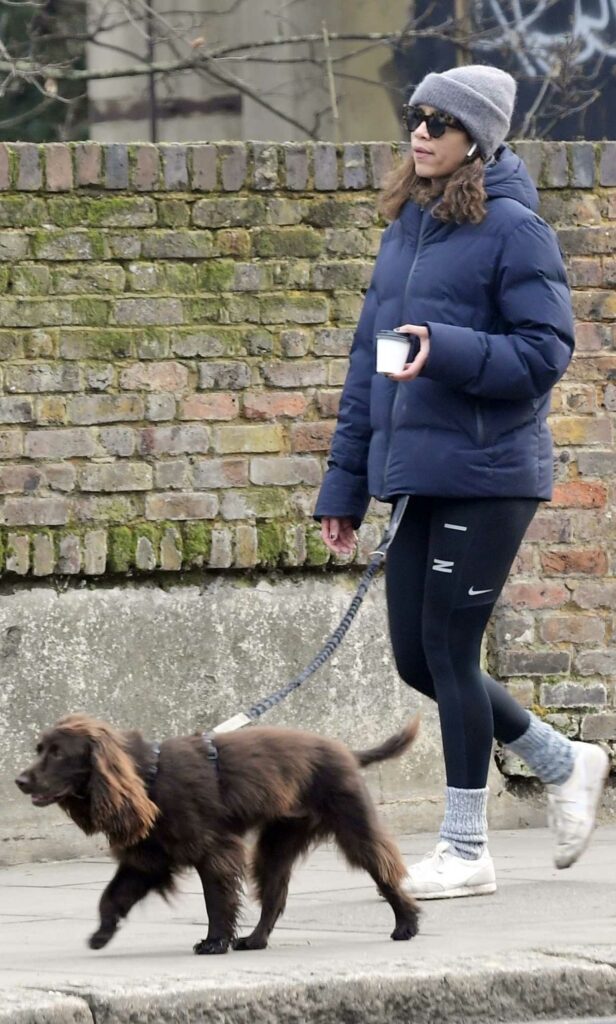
(546, 751)
(465, 824)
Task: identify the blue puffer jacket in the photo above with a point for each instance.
(473, 424)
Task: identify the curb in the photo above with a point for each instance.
(514, 988)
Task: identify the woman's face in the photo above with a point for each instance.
(438, 158)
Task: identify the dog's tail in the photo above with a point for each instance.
(392, 747)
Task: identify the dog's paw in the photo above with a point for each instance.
(100, 938)
(249, 942)
(403, 932)
(209, 947)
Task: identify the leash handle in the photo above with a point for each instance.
(378, 557)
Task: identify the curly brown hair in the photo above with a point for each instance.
(463, 192)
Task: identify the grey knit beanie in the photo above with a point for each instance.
(481, 97)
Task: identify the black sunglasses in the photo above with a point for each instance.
(437, 123)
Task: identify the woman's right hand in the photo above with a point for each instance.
(338, 534)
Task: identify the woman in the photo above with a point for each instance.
(468, 267)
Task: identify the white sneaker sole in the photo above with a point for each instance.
(447, 894)
(565, 860)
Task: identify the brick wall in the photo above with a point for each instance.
(175, 329)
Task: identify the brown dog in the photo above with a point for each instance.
(188, 802)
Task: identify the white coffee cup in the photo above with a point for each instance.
(392, 349)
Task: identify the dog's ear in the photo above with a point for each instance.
(119, 804)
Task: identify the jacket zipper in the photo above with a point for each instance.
(404, 298)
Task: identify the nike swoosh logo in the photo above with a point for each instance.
(473, 593)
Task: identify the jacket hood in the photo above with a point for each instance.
(508, 178)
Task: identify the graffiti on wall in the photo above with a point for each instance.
(592, 27)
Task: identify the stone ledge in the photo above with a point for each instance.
(263, 166)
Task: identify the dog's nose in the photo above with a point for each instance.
(23, 781)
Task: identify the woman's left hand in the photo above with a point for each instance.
(412, 370)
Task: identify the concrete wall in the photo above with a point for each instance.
(181, 657)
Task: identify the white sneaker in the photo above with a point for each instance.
(572, 806)
(443, 874)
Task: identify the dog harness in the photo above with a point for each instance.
(152, 770)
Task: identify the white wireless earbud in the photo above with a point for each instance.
(472, 150)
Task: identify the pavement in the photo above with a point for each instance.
(542, 947)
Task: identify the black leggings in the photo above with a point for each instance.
(444, 572)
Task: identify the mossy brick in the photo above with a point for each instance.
(101, 344)
(86, 409)
(121, 541)
(173, 213)
(171, 549)
(116, 511)
(607, 163)
(207, 310)
(255, 503)
(299, 309)
(120, 212)
(5, 167)
(5, 276)
(197, 543)
(88, 164)
(341, 212)
(69, 245)
(148, 311)
(179, 278)
(245, 547)
(156, 346)
(36, 312)
(28, 279)
(13, 245)
(350, 274)
(17, 553)
(180, 506)
(257, 342)
(271, 544)
(227, 376)
(124, 245)
(116, 164)
(177, 244)
(30, 171)
(316, 552)
(215, 275)
(287, 241)
(251, 277)
(202, 165)
(11, 345)
(40, 378)
(284, 212)
(89, 311)
(233, 242)
(189, 342)
(88, 278)
(145, 277)
(249, 438)
(240, 308)
(229, 212)
(22, 211)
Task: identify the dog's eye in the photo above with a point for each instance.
(54, 750)
(39, 748)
